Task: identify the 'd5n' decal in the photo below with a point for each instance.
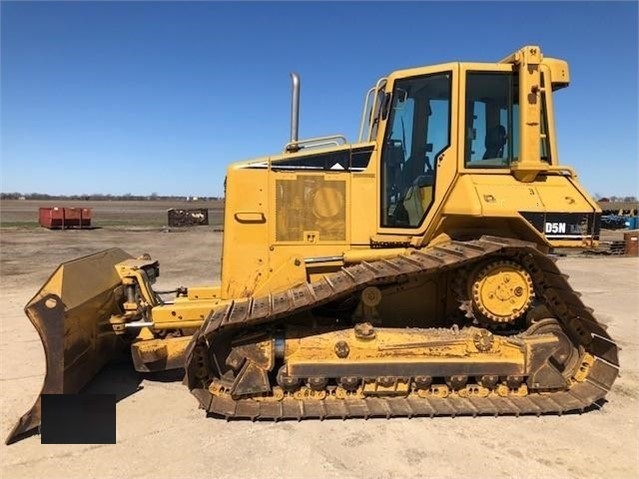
(555, 228)
(565, 226)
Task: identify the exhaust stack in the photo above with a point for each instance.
(295, 113)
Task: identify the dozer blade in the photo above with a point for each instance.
(71, 314)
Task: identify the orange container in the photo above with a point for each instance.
(61, 218)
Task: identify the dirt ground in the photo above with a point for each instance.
(161, 432)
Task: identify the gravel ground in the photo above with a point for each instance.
(161, 433)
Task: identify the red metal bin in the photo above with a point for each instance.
(61, 218)
(631, 241)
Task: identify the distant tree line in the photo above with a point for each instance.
(616, 199)
(103, 197)
(157, 197)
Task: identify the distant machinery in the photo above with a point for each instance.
(619, 214)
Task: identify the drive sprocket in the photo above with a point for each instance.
(501, 292)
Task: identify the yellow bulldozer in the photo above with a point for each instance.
(406, 274)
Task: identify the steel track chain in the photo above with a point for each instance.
(549, 283)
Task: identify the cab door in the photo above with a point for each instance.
(419, 148)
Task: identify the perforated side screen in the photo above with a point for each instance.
(310, 209)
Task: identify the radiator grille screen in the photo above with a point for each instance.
(310, 208)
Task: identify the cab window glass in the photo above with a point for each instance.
(492, 121)
(492, 116)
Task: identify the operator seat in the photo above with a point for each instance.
(413, 168)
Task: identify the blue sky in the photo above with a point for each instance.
(118, 97)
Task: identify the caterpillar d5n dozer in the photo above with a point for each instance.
(405, 274)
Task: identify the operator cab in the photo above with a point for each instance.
(470, 114)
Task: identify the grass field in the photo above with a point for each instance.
(24, 213)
